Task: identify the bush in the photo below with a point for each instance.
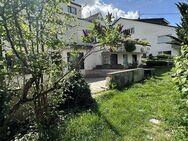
(129, 46)
(76, 92)
(164, 56)
(150, 56)
(14, 126)
(153, 63)
(181, 80)
(110, 66)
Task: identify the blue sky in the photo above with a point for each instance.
(147, 8)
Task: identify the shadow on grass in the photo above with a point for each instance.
(96, 110)
(160, 71)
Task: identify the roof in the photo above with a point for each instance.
(160, 21)
(155, 21)
(75, 4)
(93, 17)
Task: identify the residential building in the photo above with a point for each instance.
(155, 31)
(117, 59)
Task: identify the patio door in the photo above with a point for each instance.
(125, 60)
(114, 59)
(134, 58)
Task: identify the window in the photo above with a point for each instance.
(72, 10)
(132, 31)
(164, 39)
(74, 59)
(129, 31)
(165, 52)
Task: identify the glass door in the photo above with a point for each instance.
(114, 59)
(125, 60)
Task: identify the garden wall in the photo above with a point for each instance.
(120, 79)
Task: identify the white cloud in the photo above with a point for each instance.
(88, 2)
(93, 6)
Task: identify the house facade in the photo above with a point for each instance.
(154, 31)
(112, 60)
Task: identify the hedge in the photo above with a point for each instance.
(153, 63)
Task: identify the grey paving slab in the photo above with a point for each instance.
(97, 84)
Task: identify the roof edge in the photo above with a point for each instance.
(142, 22)
(75, 4)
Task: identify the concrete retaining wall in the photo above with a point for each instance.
(98, 73)
(120, 79)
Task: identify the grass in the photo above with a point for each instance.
(125, 115)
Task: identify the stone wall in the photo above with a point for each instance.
(120, 79)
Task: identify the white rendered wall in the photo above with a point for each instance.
(150, 32)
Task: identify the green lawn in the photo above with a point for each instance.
(125, 115)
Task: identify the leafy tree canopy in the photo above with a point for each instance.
(181, 67)
(30, 32)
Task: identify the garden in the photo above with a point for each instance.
(44, 98)
(128, 114)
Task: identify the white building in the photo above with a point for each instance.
(152, 30)
(155, 31)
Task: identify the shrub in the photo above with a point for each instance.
(110, 66)
(181, 80)
(181, 66)
(10, 128)
(164, 56)
(153, 63)
(129, 46)
(76, 92)
(2, 106)
(133, 65)
(150, 56)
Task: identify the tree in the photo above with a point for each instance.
(181, 30)
(181, 64)
(30, 31)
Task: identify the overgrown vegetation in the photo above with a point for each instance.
(159, 60)
(75, 92)
(29, 31)
(126, 115)
(181, 63)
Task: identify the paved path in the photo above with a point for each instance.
(97, 84)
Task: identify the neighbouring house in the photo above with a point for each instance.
(154, 31)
